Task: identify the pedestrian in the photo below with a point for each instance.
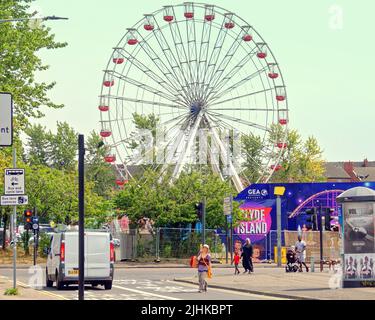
(204, 267)
(247, 254)
(236, 261)
(301, 253)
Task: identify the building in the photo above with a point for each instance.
(350, 171)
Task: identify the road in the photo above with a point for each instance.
(146, 284)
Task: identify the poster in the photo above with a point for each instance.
(359, 267)
(359, 228)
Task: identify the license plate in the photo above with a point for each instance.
(73, 272)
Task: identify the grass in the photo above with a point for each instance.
(11, 292)
(6, 257)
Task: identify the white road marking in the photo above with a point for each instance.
(231, 291)
(146, 293)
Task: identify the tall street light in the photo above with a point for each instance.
(33, 19)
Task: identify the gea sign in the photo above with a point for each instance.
(6, 119)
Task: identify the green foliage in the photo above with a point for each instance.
(19, 47)
(11, 292)
(49, 149)
(301, 161)
(174, 205)
(44, 242)
(97, 170)
(25, 237)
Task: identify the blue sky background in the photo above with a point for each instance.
(329, 72)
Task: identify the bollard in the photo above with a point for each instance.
(312, 264)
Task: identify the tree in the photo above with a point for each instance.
(63, 147)
(98, 171)
(38, 145)
(19, 47)
(55, 150)
(174, 205)
(301, 161)
(252, 152)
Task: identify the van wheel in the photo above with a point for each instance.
(108, 285)
(59, 283)
(49, 283)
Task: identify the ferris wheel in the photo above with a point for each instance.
(188, 69)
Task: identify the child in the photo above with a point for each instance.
(236, 261)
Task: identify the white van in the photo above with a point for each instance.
(62, 261)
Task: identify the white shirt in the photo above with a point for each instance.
(300, 248)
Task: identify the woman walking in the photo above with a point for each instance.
(247, 254)
(204, 266)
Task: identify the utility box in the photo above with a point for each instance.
(358, 245)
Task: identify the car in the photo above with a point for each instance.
(62, 261)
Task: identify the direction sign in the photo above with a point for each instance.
(227, 206)
(14, 200)
(6, 119)
(14, 182)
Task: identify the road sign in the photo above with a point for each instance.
(227, 206)
(14, 182)
(229, 218)
(14, 200)
(6, 119)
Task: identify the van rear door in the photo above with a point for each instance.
(97, 262)
(71, 254)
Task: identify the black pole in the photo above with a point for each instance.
(321, 237)
(226, 240)
(204, 220)
(231, 239)
(35, 238)
(81, 223)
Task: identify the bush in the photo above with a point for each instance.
(11, 292)
(44, 242)
(25, 237)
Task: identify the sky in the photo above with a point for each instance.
(325, 49)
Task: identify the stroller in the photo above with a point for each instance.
(292, 261)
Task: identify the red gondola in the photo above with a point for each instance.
(118, 60)
(283, 122)
(189, 10)
(109, 83)
(110, 158)
(273, 75)
(105, 133)
(149, 27)
(261, 55)
(276, 167)
(132, 42)
(282, 145)
(103, 108)
(168, 18)
(229, 25)
(280, 94)
(189, 15)
(209, 13)
(247, 37)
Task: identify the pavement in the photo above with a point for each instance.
(137, 284)
(152, 282)
(275, 282)
(25, 292)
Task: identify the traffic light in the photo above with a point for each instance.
(199, 210)
(28, 215)
(328, 217)
(312, 218)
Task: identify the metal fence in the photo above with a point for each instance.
(180, 243)
(331, 244)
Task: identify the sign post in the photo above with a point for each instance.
(228, 216)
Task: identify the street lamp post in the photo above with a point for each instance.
(32, 19)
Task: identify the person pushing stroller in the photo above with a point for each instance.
(292, 261)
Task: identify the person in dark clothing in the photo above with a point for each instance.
(247, 253)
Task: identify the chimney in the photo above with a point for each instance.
(365, 163)
(349, 169)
